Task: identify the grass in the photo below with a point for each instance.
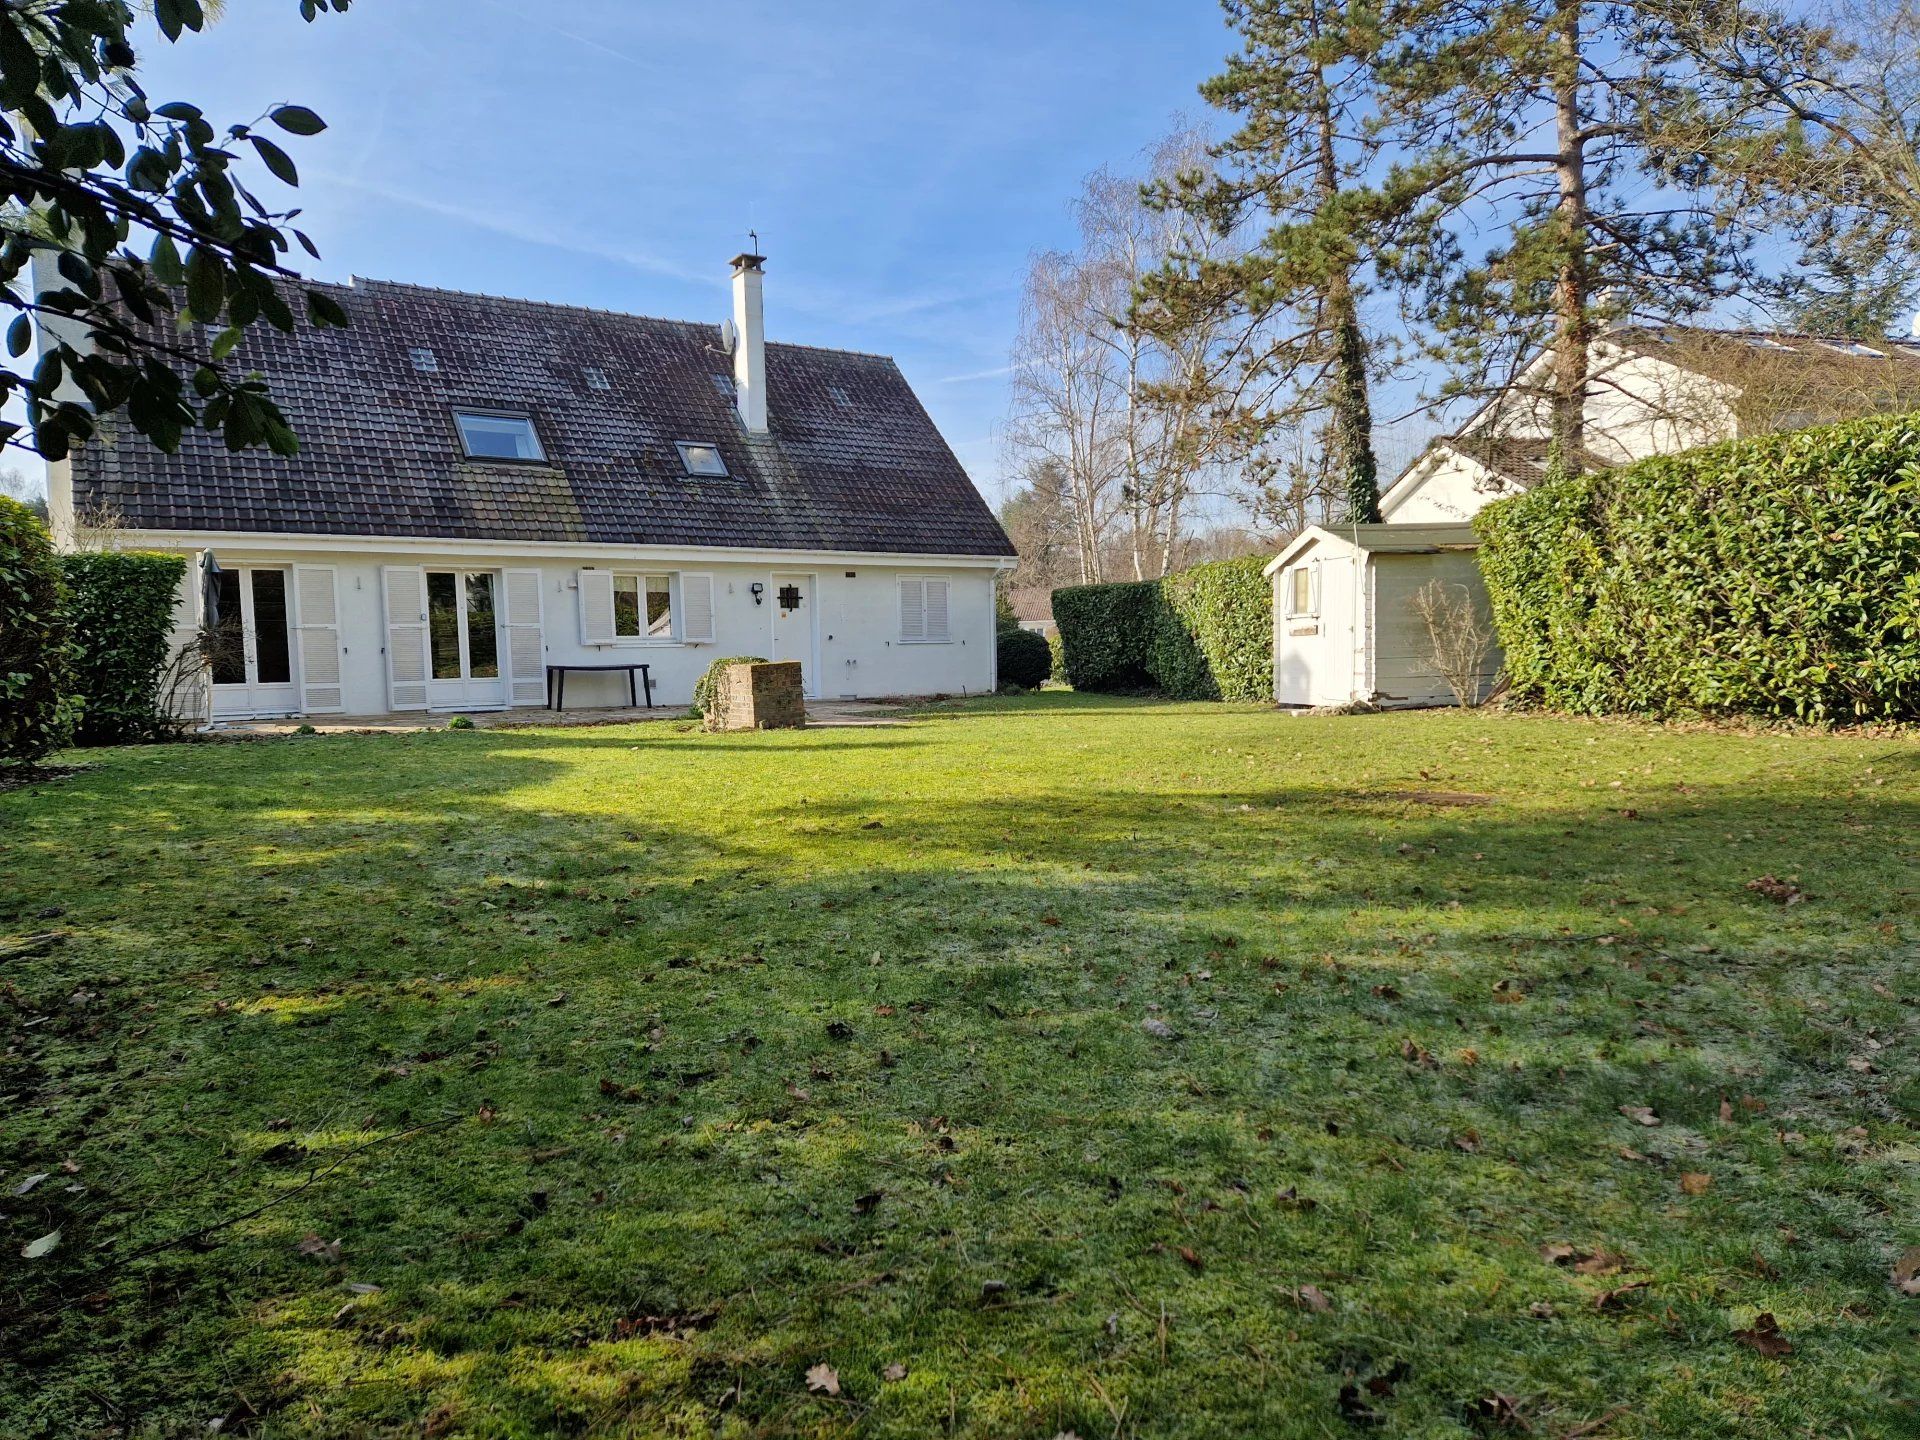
(642, 1071)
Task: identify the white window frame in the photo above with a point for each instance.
(539, 456)
(674, 616)
(908, 638)
(1311, 569)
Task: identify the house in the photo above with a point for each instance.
(1343, 628)
(489, 487)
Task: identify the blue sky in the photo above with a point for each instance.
(899, 158)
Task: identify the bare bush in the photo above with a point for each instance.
(1460, 637)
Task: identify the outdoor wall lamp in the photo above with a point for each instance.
(758, 590)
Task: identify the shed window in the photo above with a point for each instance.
(1301, 588)
(923, 611)
(643, 607)
(494, 435)
(699, 459)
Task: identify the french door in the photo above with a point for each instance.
(253, 647)
(463, 640)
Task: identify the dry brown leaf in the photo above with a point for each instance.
(1726, 1111)
(1609, 1301)
(1765, 1336)
(1188, 1254)
(1906, 1271)
(1560, 1254)
(326, 1251)
(823, 1379)
(1600, 1262)
(894, 1373)
(1781, 892)
(1640, 1114)
(1695, 1182)
(1314, 1298)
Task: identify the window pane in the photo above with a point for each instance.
(443, 624)
(1302, 591)
(659, 606)
(626, 605)
(700, 459)
(229, 650)
(483, 645)
(498, 437)
(273, 662)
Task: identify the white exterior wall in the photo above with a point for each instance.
(854, 600)
(1638, 406)
(1402, 674)
(1316, 657)
(1447, 487)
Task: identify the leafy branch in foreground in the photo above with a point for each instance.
(89, 168)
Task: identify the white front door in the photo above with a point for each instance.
(463, 641)
(796, 628)
(253, 648)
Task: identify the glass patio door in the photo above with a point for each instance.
(253, 647)
(463, 641)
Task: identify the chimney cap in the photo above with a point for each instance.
(747, 260)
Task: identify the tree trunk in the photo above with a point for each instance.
(1572, 331)
(1352, 408)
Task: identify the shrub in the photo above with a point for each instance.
(1778, 576)
(1058, 650)
(1104, 632)
(704, 687)
(120, 609)
(460, 722)
(33, 639)
(1202, 634)
(1025, 659)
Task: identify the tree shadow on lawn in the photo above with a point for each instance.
(680, 1060)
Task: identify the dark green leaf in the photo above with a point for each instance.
(298, 120)
(206, 284)
(276, 160)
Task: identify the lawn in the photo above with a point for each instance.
(1049, 1065)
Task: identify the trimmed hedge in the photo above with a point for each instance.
(33, 639)
(703, 688)
(120, 607)
(1025, 659)
(1778, 576)
(1202, 634)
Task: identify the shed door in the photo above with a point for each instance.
(1300, 649)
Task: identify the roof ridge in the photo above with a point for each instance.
(367, 283)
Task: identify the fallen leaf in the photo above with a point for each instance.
(1600, 1262)
(866, 1204)
(823, 1379)
(839, 1030)
(1292, 1199)
(1726, 1111)
(1469, 1142)
(1765, 1336)
(1559, 1254)
(1496, 1412)
(360, 1287)
(1781, 892)
(25, 1187)
(1313, 1298)
(1609, 1301)
(1157, 1028)
(1906, 1271)
(324, 1250)
(1188, 1254)
(35, 1249)
(1640, 1114)
(1695, 1182)
(1386, 992)
(894, 1373)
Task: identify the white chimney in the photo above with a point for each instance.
(749, 343)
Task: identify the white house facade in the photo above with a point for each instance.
(495, 498)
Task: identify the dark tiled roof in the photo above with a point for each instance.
(851, 461)
(1520, 460)
(1742, 357)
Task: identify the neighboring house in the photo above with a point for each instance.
(1656, 392)
(1342, 628)
(486, 487)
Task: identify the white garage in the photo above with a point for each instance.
(1345, 625)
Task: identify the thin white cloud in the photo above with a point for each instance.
(971, 376)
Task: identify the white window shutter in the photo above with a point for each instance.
(936, 609)
(913, 609)
(316, 609)
(405, 590)
(526, 641)
(596, 607)
(696, 609)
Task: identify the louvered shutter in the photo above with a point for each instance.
(696, 609)
(526, 643)
(913, 609)
(317, 631)
(405, 589)
(596, 607)
(936, 621)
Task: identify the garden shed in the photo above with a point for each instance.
(1345, 624)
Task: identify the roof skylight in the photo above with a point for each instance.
(423, 358)
(699, 458)
(596, 378)
(497, 435)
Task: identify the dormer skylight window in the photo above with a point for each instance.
(700, 459)
(498, 435)
(424, 360)
(596, 378)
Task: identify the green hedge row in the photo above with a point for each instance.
(1202, 634)
(1778, 576)
(119, 608)
(33, 639)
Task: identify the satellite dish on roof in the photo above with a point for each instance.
(728, 335)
